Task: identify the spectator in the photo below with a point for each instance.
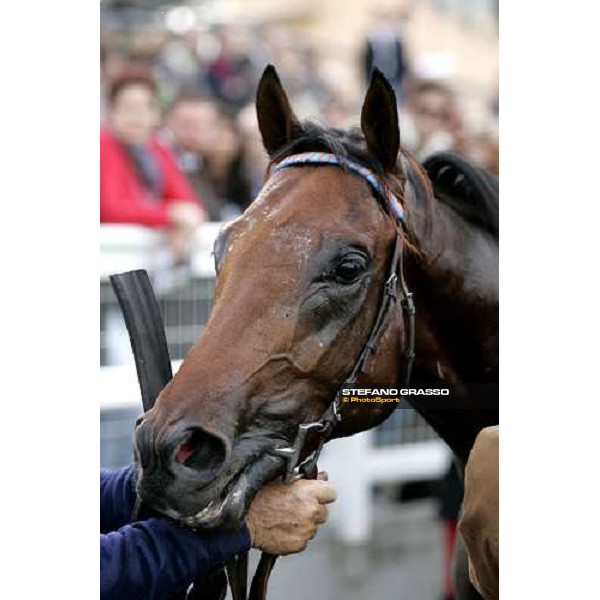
(231, 75)
(140, 181)
(178, 62)
(208, 148)
(435, 118)
(224, 169)
(385, 50)
(191, 125)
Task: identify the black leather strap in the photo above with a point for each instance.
(146, 330)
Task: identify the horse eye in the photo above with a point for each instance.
(349, 270)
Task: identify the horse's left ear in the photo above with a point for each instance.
(379, 121)
(276, 119)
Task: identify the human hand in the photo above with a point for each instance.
(284, 517)
(186, 215)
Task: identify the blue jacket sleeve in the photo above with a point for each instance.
(155, 559)
(117, 497)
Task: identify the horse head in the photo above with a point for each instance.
(300, 276)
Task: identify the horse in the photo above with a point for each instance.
(302, 277)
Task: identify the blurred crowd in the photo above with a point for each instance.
(179, 137)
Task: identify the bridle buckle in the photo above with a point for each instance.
(408, 304)
(292, 453)
(390, 285)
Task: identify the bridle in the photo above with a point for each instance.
(319, 432)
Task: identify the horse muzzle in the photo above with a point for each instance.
(193, 476)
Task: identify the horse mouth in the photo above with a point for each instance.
(229, 508)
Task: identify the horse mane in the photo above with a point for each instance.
(468, 189)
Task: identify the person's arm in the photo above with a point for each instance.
(117, 497)
(154, 559)
(116, 203)
(157, 557)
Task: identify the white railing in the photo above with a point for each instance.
(355, 464)
(185, 307)
(128, 247)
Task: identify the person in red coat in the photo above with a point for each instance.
(140, 182)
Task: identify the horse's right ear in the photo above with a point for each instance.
(379, 121)
(276, 119)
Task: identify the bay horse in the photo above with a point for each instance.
(300, 281)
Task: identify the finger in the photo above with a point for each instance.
(325, 492)
(323, 476)
(321, 514)
(300, 546)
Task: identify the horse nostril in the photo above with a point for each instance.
(201, 451)
(185, 451)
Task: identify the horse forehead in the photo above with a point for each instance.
(318, 198)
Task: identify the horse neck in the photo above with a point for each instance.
(457, 325)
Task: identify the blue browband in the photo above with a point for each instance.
(324, 158)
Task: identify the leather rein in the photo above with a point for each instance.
(319, 432)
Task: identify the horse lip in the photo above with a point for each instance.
(230, 507)
(212, 515)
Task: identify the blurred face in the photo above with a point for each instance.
(234, 41)
(134, 114)
(194, 125)
(433, 113)
(227, 145)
